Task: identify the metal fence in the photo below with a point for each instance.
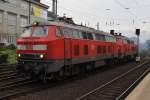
(8, 38)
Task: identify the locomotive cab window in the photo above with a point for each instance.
(26, 32)
(125, 41)
(68, 33)
(84, 35)
(100, 37)
(76, 35)
(110, 39)
(90, 36)
(80, 35)
(40, 31)
(58, 32)
(128, 41)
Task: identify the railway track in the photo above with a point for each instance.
(7, 66)
(7, 72)
(32, 88)
(15, 86)
(10, 79)
(9, 75)
(120, 87)
(19, 88)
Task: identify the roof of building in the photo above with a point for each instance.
(38, 3)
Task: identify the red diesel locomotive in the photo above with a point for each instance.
(57, 49)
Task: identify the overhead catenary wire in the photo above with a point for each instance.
(130, 12)
(124, 7)
(90, 14)
(87, 12)
(116, 1)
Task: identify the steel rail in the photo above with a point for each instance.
(125, 93)
(100, 87)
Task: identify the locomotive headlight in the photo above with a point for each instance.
(36, 23)
(41, 56)
(19, 55)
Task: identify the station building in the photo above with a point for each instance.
(15, 14)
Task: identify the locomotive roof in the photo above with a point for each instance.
(125, 37)
(75, 26)
(79, 27)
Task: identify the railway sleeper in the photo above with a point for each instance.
(108, 94)
(112, 91)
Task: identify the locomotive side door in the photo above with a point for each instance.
(67, 51)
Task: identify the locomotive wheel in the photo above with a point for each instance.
(89, 67)
(43, 76)
(76, 70)
(20, 69)
(82, 69)
(32, 76)
(59, 75)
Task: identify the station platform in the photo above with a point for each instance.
(142, 91)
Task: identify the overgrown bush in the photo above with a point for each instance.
(8, 54)
(11, 47)
(2, 49)
(3, 58)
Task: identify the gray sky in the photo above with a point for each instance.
(124, 15)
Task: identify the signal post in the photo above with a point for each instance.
(138, 58)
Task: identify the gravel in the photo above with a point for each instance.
(77, 86)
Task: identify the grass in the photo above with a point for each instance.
(11, 55)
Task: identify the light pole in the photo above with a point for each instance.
(107, 18)
(118, 27)
(54, 5)
(29, 11)
(97, 25)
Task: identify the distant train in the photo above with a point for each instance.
(56, 49)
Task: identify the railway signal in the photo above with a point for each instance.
(112, 32)
(138, 32)
(138, 58)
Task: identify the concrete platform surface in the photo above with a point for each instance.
(142, 91)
